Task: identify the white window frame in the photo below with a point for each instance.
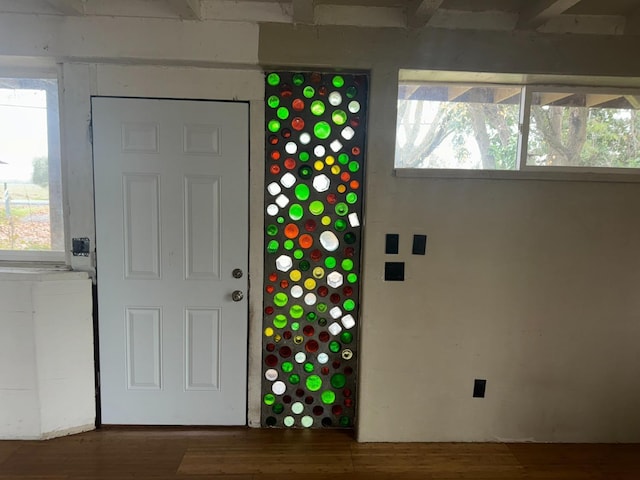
(524, 171)
(38, 258)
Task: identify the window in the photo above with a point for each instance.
(31, 220)
(510, 127)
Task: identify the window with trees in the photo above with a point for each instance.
(31, 220)
(512, 127)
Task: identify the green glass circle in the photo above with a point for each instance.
(352, 278)
(289, 244)
(350, 238)
(314, 383)
(273, 79)
(330, 262)
(354, 166)
(304, 265)
(296, 311)
(352, 92)
(347, 264)
(342, 209)
(280, 321)
(272, 230)
(343, 158)
(295, 326)
(298, 79)
(346, 337)
(322, 130)
(273, 101)
(282, 113)
(334, 346)
(273, 125)
(317, 108)
(322, 322)
(338, 81)
(298, 254)
(302, 192)
(280, 220)
(294, 379)
(308, 92)
(316, 207)
(339, 117)
(272, 246)
(296, 211)
(269, 399)
(311, 316)
(349, 305)
(278, 408)
(308, 367)
(338, 380)
(322, 307)
(340, 225)
(328, 397)
(305, 172)
(280, 299)
(287, 367)
(304, 156)
(352, 197)
(344, 421)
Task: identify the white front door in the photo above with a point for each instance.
(171, 192)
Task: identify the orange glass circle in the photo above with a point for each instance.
(345, 177)
(354, 184)
(305, 241)
(298, 105)
(275, 155)
(342, 188)
(291, 231)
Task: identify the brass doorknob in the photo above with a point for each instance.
(237, 295)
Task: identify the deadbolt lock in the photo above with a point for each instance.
(237, 273)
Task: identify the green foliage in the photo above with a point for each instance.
(41, 171)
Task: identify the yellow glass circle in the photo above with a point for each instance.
(326, 220)
(277, 338)
(318, 272)
(295, 275)
(298, 339)
(309, 284)
(335, 169)
(329, 160)
(268, 332)
(318, 165)
(342, 188)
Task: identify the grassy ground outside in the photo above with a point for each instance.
(25, 226)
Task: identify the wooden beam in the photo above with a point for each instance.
(548, 98)
(456, 92)
(502, 94)
(593, 100)
(633, 100)
(68, 7)
(632, 23)
(304, 11)
(538, 12)
(187, 9)
(419, 12)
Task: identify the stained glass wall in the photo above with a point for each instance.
(315, 137)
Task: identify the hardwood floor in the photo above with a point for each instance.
(245, 454)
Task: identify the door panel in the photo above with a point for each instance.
(171, 187)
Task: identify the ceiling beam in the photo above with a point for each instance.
(419, 12)
(539, 12)
(68, 7)
(633, 100)
(502, 94)
(304, 11)
(594, 100)
(187, 9)
(455, 93)
(548, 98)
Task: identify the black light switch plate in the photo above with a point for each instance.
(392, 244)
(80, 247)
(479, 387)
(394, 271)
(419, 245)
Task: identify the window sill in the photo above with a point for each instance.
(557, 176)
(39, 274)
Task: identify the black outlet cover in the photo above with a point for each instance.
(80, 247)
(479, 387)
(394, 271)
(419, 245)
(392, 244)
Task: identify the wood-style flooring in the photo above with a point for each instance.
(247, 454)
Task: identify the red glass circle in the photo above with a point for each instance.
(355, 150)
(297, 105)
(316, 255)
(323, 291)
(310, 226)
(335, 298)
(348, 371)
(318, 410)
(322, 91)
(285, 351)
(336, 410)
(324, 370)
(299, 392)
(297, 123)
(270, 347)
(311, 346)
(348, 402)
(324, 337)
(286, 91)
(332, 199)
(269, 310)
(286, 399)
(273, 277)
(286, 133)
(336, 364)
(274, 169)
(349, 252)
(273, 140)
(346, 392)
(348, 291)
(316, 77)
(355, 122)
(284, 284)
(270, 289)
(287, 335)
(308, 330)
(289, 163)
(275, 155)
(308, 400)
(271, 360)
(345, 177)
